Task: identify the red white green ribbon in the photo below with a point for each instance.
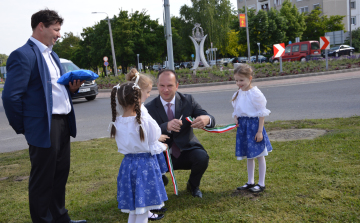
(216, 129)
(171, 170)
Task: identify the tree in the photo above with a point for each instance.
(66, 45)
(355, 40)
(234, 48)
(318, 24)
(214, 17)
(294, 19)
(3, 59)
(277, 28)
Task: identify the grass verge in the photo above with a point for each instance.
(307, 180)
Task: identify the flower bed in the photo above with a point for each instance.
(218, 74)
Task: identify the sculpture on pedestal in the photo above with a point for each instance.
(198, 36)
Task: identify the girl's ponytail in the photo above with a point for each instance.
(138, 113)
(113, 111)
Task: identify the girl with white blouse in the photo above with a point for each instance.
(139, 182)
(251, 139)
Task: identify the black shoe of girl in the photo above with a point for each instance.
(161, 210)
(257, 188)
(246, 187)
(154, 217)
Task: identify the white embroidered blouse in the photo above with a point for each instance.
(128, 137)
(251, 103)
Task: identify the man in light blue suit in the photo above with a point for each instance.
(41, 109)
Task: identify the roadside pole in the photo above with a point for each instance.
(326, 58)
(325, 45)
(168, 35)
(247, 32)
(281, 70)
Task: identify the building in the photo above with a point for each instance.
(329, 8)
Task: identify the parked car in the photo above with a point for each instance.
(261, 59)
(301, 51)
(185, 65)
(242, 60)
(176, 66)
(88, 90)
(156, 67)
(220, 61)
(337, 51)
(232, 60)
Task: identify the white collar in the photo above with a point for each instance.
(164, 103)
(42, 47)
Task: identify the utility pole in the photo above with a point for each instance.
(247, 32)
(112, 42)
(350, 22)
(168, 35)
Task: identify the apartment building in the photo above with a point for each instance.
(329, 7)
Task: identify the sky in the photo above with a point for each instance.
(15, 15)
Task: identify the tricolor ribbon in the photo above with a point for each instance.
(171, 170)
(216, 129)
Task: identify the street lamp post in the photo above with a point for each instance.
(138, 65)
(112, 42)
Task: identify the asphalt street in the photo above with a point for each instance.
(304, 98)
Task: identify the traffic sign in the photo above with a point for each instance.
(324, 42)
(106, 63)
(192, 55)
(279, 50)
(242, 20)
(105, 59)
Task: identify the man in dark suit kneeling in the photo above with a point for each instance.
(186, 151)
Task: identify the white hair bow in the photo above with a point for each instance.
(137, 77)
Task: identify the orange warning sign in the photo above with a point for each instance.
(242, 20)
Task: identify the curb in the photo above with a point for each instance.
(259, 79)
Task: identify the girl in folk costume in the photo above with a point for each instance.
(251, 139)
(139, 183)
(145, 82)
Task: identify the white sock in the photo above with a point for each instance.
(142, 218)
(151, 215)
(132, 218)
(250, 169)
(262, 170)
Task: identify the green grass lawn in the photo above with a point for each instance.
(1, 89)
(307, 180)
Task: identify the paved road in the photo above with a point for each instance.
(327, 96)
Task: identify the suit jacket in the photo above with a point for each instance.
(185, 105)
(27, 95)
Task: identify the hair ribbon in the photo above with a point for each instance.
(137, 77)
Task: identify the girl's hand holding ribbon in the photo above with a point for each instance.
(163, 138)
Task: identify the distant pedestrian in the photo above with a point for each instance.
(251, 139)
(139, 182)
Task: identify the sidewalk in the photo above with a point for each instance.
(261, 82)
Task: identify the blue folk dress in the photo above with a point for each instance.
(139, 184)
(159, 157)
(248, 107)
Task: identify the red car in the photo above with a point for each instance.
(301, 51)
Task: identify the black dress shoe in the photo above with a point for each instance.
(78, 221)
(195, 192)
(165, 180)
(161, 210)
(257, 188)
(246, 186)
(159, 216)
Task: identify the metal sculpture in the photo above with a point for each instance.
(198, 36)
